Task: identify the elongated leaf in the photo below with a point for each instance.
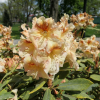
(6, 96)
(91, 87)
(78, 84)
(95, 77)
(3, 91)
(38, 87)
(47, 95)
(90, 61)
(4, 83)
(52, 97)
(68, 97)
(82, 95)
(7, 74)
(26, 96)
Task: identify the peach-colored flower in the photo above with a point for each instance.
(89, 46)
(46, 46)
(82, 20)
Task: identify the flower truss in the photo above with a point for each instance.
(82, 20)
(47, 46)
(89, 47)
(8, 57)
(5, 40)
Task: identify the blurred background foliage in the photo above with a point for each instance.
(16, 12)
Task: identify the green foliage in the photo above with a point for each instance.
(93, 7)
(38, 86)
(6, 19)
(95, 77)
(82, 95)
(71, 6)
(78, 84)
(44, 6)
(6, 95)
(47, 95)
(68, 97)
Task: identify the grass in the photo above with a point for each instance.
(16, 30)
(93, 31)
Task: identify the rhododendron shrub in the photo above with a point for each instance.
(50, 62)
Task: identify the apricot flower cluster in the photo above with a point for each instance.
(89, 47)
(47, 46)
(5, 40)
(82, 20)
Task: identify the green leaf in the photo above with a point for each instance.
(82, 65)
(47, 95)
(7, 74)
(12, 46)
(3, 91)
(82, 95)
(6, 95)
(91, 87)
(39, 86)
(27, 78)
(52, 97)
(58, 81)
(90, 61)
(78, 84)
(95, 77)
(66, 67)
(68, 97)
(26, 96)
(4, 83)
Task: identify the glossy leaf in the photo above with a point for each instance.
(82, 95)
(6, 95)
(95, 77)
(52, 97)
(78, 84)
(47, 95)
(3, 91)
(38, 87)
(4, 83)
(68, 97)
(26, 96)
(91, 87)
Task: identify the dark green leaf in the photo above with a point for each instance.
(26, 96)
(4, 83)
(39, 86)
(78, 84)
